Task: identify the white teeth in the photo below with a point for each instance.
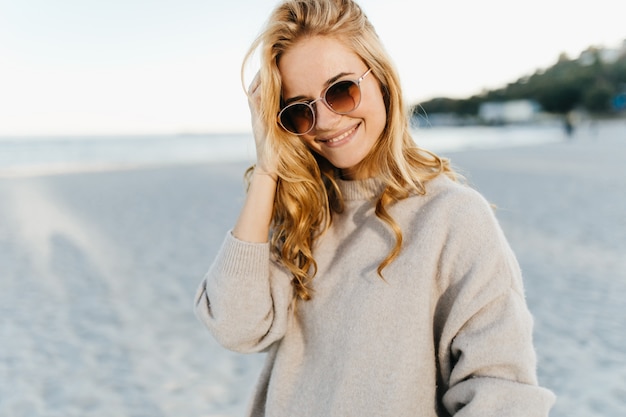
(341, 137)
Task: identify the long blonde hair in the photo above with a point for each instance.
(307, 193)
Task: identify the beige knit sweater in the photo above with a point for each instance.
(446, 333)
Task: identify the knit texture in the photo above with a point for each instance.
(446, 333)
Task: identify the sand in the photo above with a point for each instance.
(98, 272)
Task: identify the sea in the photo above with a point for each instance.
(46, 155)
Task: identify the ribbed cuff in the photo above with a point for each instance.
(243, 259)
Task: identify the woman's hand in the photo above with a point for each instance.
(266, 163)
(255, 217)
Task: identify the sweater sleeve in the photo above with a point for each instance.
(486, 357)
(244, 299)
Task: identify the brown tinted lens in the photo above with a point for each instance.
(343, 96)
(297, 118)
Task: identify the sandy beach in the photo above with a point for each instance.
(98, 272)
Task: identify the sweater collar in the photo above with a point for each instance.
(366, 189)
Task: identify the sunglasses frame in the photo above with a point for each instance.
(322, 98)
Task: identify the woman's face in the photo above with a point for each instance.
(307, 69)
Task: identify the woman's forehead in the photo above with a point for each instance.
(312, 62)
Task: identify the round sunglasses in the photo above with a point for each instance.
(341, 97)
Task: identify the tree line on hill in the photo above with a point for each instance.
(594, 82)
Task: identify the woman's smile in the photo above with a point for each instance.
(340, 139)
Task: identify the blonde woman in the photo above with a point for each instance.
(377, 284)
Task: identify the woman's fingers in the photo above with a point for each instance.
(254, 85)
(265, 163)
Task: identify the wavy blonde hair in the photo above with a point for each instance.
(307, 193)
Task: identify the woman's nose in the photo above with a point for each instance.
(325, 118)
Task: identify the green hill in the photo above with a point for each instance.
(595, 82)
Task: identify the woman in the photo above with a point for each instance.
(386, 287)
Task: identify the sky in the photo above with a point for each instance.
(106, 67)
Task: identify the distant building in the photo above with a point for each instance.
(605, 55)
(504, 112)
